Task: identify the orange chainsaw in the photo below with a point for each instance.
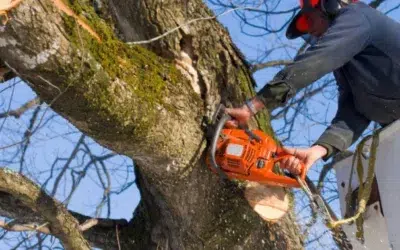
(251, 155)
(246, 154)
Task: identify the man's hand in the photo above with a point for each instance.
(307, 156)
(241, 116)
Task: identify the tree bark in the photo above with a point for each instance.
(148, 102)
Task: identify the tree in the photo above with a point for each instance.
(146, 101)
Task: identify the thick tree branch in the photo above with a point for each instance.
(98, 231)
(63, 225)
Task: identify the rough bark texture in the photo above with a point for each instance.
(148, 103)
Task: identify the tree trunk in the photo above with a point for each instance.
(147, 102)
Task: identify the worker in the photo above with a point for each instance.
(361, 46)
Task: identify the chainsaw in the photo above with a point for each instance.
(245, 154)
(251, 155)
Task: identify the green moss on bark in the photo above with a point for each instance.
(111, 69)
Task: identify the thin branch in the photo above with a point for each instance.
(260, 66)
(88, 224)
(66, 166)
(187, 23)
(392, 9)
(27, 136)
(117, 233)
(21, 110)
(9, 107)
(49, 83)
(305, 96)
(328, 167)
(24, 227)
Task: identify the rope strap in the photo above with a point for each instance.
(364, 191)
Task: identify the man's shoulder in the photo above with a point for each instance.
(357, 8)
(356, 15)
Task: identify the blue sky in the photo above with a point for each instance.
(58, 138)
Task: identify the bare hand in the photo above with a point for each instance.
(241, 116)
(306, 156)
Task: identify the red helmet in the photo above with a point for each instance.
(299, 25)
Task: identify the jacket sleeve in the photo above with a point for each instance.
(348, 34)
(346, 127)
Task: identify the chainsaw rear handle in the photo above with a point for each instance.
(282, 156)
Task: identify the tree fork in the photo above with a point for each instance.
(138, 103)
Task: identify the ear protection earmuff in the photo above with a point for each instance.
(331, 7)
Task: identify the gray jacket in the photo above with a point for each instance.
(362, 49)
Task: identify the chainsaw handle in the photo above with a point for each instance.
(243, 127)
(283, 156)
(249, 133)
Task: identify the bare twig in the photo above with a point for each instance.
(186, 24)
(44, 225)
(27, 136)
(66, 166)
(306, 96)
(24, 227)
(19, 111)
(88, 224)
(392, 9)
(9, 106)
(260, 66)
(117, 233)
(49, 83)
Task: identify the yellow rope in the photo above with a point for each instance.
(363, 191)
